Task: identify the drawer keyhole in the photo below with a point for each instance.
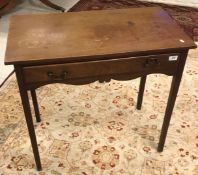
(152, 62)
(54, 77)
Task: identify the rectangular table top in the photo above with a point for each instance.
(76, 36)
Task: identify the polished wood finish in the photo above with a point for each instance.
(83, 47)
(92, 34)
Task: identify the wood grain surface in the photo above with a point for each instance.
(92, 34)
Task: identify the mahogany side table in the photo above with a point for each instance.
(83, 47)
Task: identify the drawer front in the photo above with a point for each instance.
(165, 63)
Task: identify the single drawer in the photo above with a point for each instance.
(165, 63)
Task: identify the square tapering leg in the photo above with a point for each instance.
(141, 92)
(28, 116)
(35, 104)
(171, 100)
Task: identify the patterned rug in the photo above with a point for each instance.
(185, 16)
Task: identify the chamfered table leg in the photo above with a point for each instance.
(28, 116)
(171, 101)
(35, 104)
(141, 92)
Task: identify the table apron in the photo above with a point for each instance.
(103, 70)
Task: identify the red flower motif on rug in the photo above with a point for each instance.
(105, 157)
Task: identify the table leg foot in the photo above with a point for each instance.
(39, 168)
(141, 92)
(160, 149)
(35, 104)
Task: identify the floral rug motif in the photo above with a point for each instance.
(95, 129)
(187, 17)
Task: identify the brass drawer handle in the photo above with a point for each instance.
(54, 77)
(152, 62)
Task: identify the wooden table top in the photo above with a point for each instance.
(77, 36)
